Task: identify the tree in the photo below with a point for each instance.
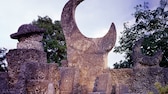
(53, 39)
(149, 24)
(3, 66)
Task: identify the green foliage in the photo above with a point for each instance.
(158, 40)
(151, 24)
(53, 40)
(122, 64)
(161, 89)
(3, 66)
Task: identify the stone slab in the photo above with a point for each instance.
(68, 77)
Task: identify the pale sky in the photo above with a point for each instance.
(93, 17)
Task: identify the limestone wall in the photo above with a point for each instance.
(138, 81)
(39, 76)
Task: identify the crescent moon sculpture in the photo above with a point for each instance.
(89, 55)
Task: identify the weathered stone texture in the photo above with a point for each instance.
(39, 77)
(85, 71)
(26, 30)
(30, 45)
(25, 55)
(103, 83)
(137, 81)
(144, 78)
(89, 55)
(31, 42)
(69, 79)
(17, 58)
(29, 37)
(3, 82)
(96, 93)
(121, 79)
(51, 89)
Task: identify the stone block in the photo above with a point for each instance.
(123, 89)
(103, 83)
(143, 79)
(37, 86)
(69, 78)
(3, 80)
(27, 44)
(36, 71)
(40, 76)
(66, 92)
(51, 89)
(41, 87)
(19, 56)
(96, 93)
(53, 72)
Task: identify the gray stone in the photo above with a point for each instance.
(25, 30)
(42, 78)
(64, 63)
(4, 82)
(89, 55)
(37, 86)
(69, 79)
(50, 89)
(96, 93)
(137, 80)
(29, 37)
(143, 80)
(25, 55)
(103, 83)
(18, 57)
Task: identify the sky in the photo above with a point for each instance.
(93, 17)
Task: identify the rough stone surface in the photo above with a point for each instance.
(103, 83)
(89, 55)
(25, 55)
(144, 78)
(85, 72)
(69, 79)
(40, 76)
(3, 82)
(96, 93)
(124, 81)
(64, 63)
(16, 58)
(31, 42)
(51, 89)
(137, 81)
(120, 77)
(25, 30)
(29, 37)
(142, 60)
